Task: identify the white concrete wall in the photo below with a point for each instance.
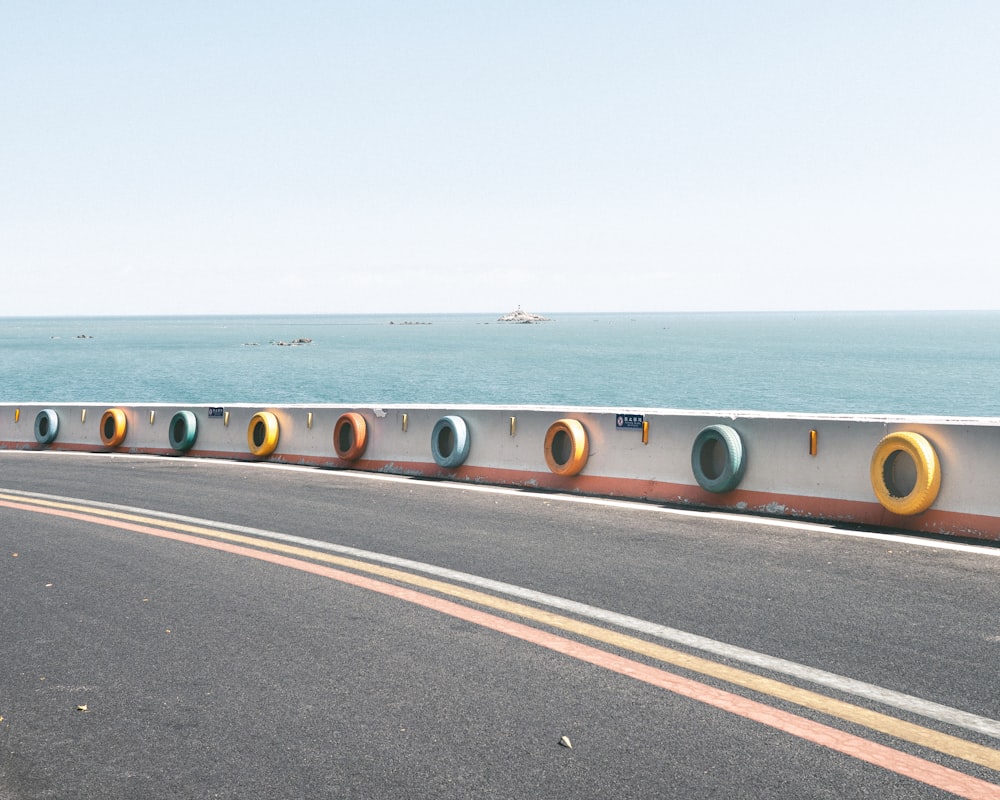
(782, 477)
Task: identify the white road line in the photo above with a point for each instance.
(526, 492)
(840, 683)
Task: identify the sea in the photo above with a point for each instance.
(943, 363)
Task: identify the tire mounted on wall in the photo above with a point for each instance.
(113, 427)
(262, 434)
(718, 459)
(886, 462)
(183, 431)
(566, 447)
(450, 441)
(350, 436)
(46, 426)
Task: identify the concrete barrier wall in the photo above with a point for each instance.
(796, 466)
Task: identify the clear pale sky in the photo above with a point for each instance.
(302, 157)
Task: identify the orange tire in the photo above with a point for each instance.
(350, 436)
(113, 426)
(566, 447)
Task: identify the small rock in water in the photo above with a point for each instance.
(522, 317)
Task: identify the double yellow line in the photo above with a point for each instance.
(873, 720)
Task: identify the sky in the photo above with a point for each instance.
(432, 157)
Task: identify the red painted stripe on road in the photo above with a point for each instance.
(857, 747)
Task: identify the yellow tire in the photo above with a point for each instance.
(113, 425)
(262, 433)
(905, 473)
(566, 447)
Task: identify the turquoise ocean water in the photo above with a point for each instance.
(940, 363)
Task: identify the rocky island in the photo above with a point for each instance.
(522, 317)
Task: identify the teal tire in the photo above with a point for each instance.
(46, 426)
(450, 442)
(183, 431)
(718, 459)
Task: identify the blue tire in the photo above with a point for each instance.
(183, 431)
(718, 459)
(46, 426)
(450, 441)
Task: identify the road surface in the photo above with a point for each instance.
(182, 628)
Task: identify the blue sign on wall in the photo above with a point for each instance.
(216, 411)
(625, 422)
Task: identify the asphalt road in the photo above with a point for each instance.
(176, 628)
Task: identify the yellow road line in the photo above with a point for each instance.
(884, 723)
